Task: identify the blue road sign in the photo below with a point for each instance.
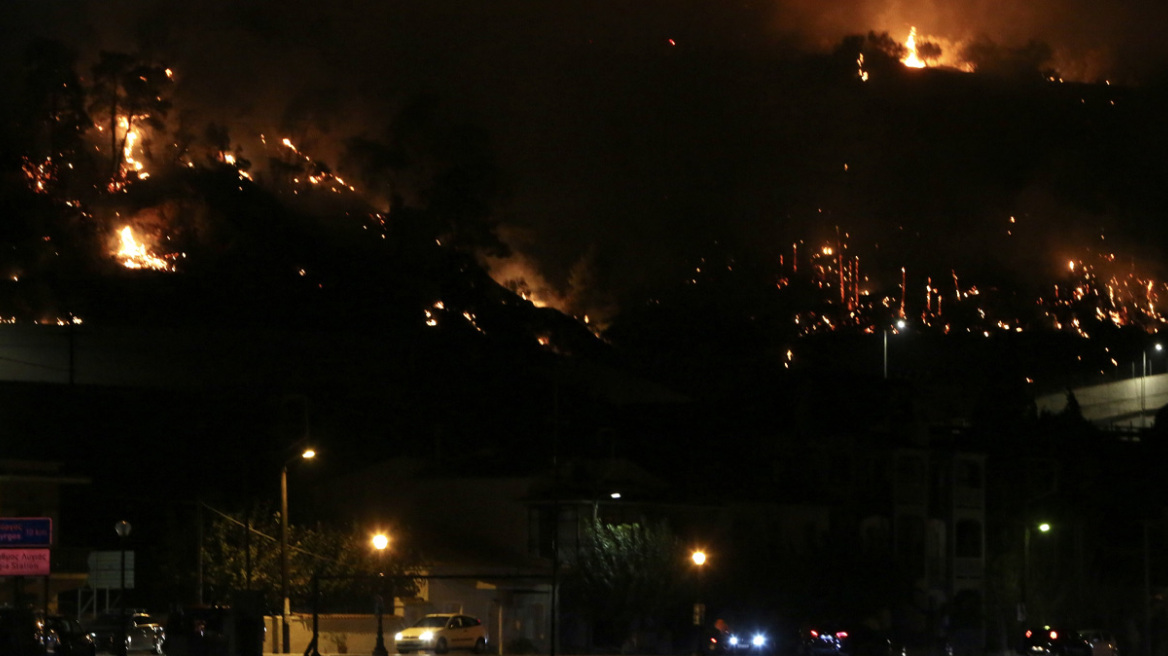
(26, 531)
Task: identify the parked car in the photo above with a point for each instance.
(22, 633)
(1103, 643)
(1054, 641)
(441, 632)
(66, 637)
(142, 632)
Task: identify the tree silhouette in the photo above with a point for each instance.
(55, 101)
(341, 555)
(928, 51)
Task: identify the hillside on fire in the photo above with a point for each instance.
(713, 242)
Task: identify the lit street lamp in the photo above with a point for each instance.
(699, 612)
(1143, 387)
(900, 324)
(1042, 528)
(380, 542)
(285, 629)
(122, 528)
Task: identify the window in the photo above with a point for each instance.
(968, 474)
(967, 539)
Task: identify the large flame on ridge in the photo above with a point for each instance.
(911, 59)
(134, 255)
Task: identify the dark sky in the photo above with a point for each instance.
(613, 140)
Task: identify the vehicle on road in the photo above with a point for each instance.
(441, 632)
(22, 633)
(1054, 641)
(724, 640)
(66, 637)
(141, 632)
(1103, 643)
(859, 640)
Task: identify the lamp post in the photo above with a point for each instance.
(900, 324)
(1143, 386)
(286, 632)
(380, 542)
(1042, 528)
(122, 528)
(699, 613)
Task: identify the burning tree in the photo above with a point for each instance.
(880, 53)
(128, 91)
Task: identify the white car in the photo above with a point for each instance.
(139, 630)
(442, 632)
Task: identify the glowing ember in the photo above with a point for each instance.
(133, 255)
(40, 175)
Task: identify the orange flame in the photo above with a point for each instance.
(911, 59)
(134, 255)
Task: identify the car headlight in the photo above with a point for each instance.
(397, 636)
(426, 636)
(734, 640)
(758, 640)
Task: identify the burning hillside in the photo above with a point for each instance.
(121, 174)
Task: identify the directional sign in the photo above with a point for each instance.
(26, 531)
(24, 562)
(106, 570)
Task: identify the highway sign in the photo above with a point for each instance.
(24, 562)
(26, 531)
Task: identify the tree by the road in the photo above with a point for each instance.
(627, 576)
(341, 556)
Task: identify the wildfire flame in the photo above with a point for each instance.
(134, 255)
(912, 60)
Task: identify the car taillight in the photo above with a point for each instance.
(841, 634)
(1054, 635)
(1029, 633)
(814, 633)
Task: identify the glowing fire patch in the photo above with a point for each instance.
(134, 255)
(912, 60)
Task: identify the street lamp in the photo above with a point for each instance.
(307, 454)
(1042, 527)
(900, 324)
(122, 528)
(699, 612)
(380, 542)
(1143, 386)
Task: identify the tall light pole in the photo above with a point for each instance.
(122, 528)
(380, 542)
(286, 632)
(1042, 528)
(1143, 387)
(1147, 593)
(699, 613)
(900, 324)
